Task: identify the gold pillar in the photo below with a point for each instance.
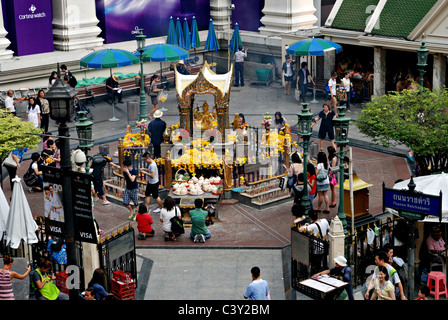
(168, 170)
(120, 155)
(228, 173)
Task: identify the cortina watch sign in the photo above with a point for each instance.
(33, 14)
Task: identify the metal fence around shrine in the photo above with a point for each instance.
(250, 172)
(360, 248)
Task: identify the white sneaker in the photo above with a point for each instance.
(196, 238)
(156, 210)
(202, 238)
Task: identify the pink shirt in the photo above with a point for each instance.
(436, 245)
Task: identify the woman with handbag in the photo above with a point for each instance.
(323, 183)
(169, 211)
(34, 169)
(153, 92)
(332, 162)
(12, 162)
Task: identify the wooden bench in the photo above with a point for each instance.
(89, 93)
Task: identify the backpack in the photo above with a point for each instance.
(298, 194)
(98, 159)
(322, 175)
(71, 79)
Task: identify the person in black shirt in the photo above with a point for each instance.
(155, 131)
(113, 88)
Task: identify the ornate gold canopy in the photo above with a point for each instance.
(205, 82)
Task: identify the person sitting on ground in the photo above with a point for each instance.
(144, 222)
(43, 283)
(98, 284)
(199, 231)
(342, 272)
(169, 211)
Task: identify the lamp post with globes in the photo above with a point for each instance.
(341, 125)
(84, 130)
(305, 131)
(61, 99)
(141, 39)
(422, 57)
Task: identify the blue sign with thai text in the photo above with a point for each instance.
(418, 202)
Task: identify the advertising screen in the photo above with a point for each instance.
(118, 18)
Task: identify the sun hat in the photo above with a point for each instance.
(181, 62)
(115, 77)
(340, 260)
(158, 114)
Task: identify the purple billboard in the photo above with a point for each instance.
(118, 18)
(29, 25)
(247, 14)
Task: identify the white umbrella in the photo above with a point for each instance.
(20, 224)
(432, 185)
(4, 211)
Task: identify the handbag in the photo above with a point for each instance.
(322, 175)
(297, 93)
(177, 225)
(9, 161)
(332, 177)
(30, 178)
(152, 93)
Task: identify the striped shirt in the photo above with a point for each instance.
(6, 286)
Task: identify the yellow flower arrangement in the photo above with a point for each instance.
(135, 140)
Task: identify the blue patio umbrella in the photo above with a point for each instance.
(187, 37)
(313, 47)
(235, 42)
(172, 37)
(195, 41)
(211, 44)
(179, 34)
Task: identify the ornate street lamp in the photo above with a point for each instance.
(141, 39)
(61, 99)
(84, 130)
(305, 131)
(341, 126)
(422, 57)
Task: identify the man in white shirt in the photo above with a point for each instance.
(332, 86)
(9, 102)
(239, 66)
(320, 228)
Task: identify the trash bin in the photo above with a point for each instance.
(132, 109)
(262, 74)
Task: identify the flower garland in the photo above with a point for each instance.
(266, 123)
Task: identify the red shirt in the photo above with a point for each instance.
(144, 222)
(310, 180)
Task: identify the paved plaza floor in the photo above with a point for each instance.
(242, 236)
